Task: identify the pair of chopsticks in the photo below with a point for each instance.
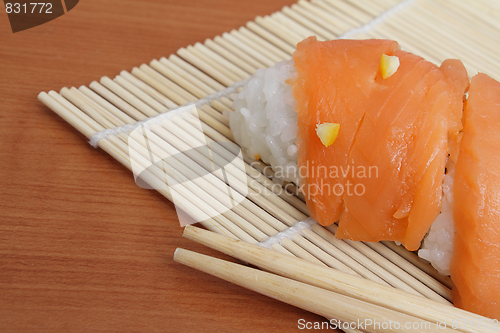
(363, 305)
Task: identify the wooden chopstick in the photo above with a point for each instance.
(334, 280)
(331, 305)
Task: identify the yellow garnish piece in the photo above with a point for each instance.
(388, 65)
(256, 156)
(327, 133)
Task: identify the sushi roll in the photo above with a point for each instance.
(372, 134)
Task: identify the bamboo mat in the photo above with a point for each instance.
(437, 30)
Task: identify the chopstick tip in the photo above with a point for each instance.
(41, 95)
(178, 253)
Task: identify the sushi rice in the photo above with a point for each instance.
(264, 124)
(265, 121)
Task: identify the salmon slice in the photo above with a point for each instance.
(458, 78)
(404, 136)
(333, 85)
(385, 141)
(442, 126)
(475, 265)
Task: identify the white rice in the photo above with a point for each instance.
(265, 121)
(264, 124)
(437, 247)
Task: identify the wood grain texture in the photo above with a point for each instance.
(82, 248)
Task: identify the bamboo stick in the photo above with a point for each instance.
(236, 70)
(107, 105)
(82, 101)
(354, 267)
(335, 31)
(317, 29)
(361, 265)
(260, 41)
(415, 261)
(129, 98)
(168, 83)
(333, 20)
(118, 102)
(366, 249)
(369, 7)
(283, 45)
(202, 58)
(162, 99)
(246, 66)
(350, 20)
(245, 57)
(263, 50)
(288, 36)
(292, 25)
(196, 72)
(187, 76)
(178, 79)
(223, 77)
(349, 9)
(232, 39)
(70, 118)
(170, 94)
(144, 97)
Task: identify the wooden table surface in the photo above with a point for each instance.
(82, 248)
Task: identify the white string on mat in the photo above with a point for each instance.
(377, 20)
(94, 140)
(288, 233)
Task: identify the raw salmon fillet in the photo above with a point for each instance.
(333, 85)
(475, 266)
(412, 118)
(383, 175)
